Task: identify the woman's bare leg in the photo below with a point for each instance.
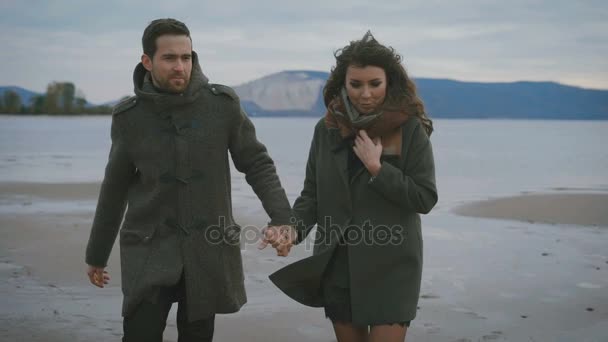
(347, 332)
(387, 333)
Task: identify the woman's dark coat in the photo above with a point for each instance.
(382, 217)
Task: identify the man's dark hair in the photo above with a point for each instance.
(160, 27)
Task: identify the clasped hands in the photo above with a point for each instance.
(281, 238)
(368, 151)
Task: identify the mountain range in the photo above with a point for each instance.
(299, 93)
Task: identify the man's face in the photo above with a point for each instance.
(171, 65)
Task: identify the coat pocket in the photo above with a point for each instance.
(137, 236)
(135, 245)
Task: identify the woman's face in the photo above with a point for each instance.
(366, 87)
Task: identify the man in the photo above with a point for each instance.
(168, 169)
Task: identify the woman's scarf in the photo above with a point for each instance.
(386, 125)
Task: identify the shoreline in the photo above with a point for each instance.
(51, 191)
(584, 209)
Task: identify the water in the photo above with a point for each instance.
(53, 149)
(475, 159)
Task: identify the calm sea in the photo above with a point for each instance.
(475, 159)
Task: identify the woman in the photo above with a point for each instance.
(370, 172)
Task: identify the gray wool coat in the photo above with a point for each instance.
(168, 168)
(381, 216)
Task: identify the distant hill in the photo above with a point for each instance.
(299, 93)
(25, 95)
(291, 93)
(516, 100)
(286, 93)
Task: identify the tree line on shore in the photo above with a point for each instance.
(60, 98)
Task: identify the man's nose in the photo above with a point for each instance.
(179, 66)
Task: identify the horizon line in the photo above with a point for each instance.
(326, 72)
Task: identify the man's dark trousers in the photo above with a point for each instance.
(148, 321)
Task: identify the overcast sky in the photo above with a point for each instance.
(96, 44)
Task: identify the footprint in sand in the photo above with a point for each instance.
(431, 328)
(275, 261)
(429, 296)
(255, 279)
(495, 335)
(81, 316)
(475, 315)
(469, 313)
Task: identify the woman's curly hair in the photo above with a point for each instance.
(401, 91)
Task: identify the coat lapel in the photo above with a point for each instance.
(339, 149)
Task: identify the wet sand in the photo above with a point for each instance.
(483, 280)
(589, 209)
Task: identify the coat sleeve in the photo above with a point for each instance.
(112, 200)
(251, 158)
(305, 206)
(412, 188)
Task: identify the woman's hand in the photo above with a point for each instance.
(282, 238)
(369, 151)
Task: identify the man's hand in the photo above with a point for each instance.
(98, 276)
(281, 238)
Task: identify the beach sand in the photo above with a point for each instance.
(571, 208)
(484, 280)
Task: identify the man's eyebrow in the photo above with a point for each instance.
(173, 54)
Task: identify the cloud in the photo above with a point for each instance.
(97, 44)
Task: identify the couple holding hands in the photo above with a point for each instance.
(369, 174)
